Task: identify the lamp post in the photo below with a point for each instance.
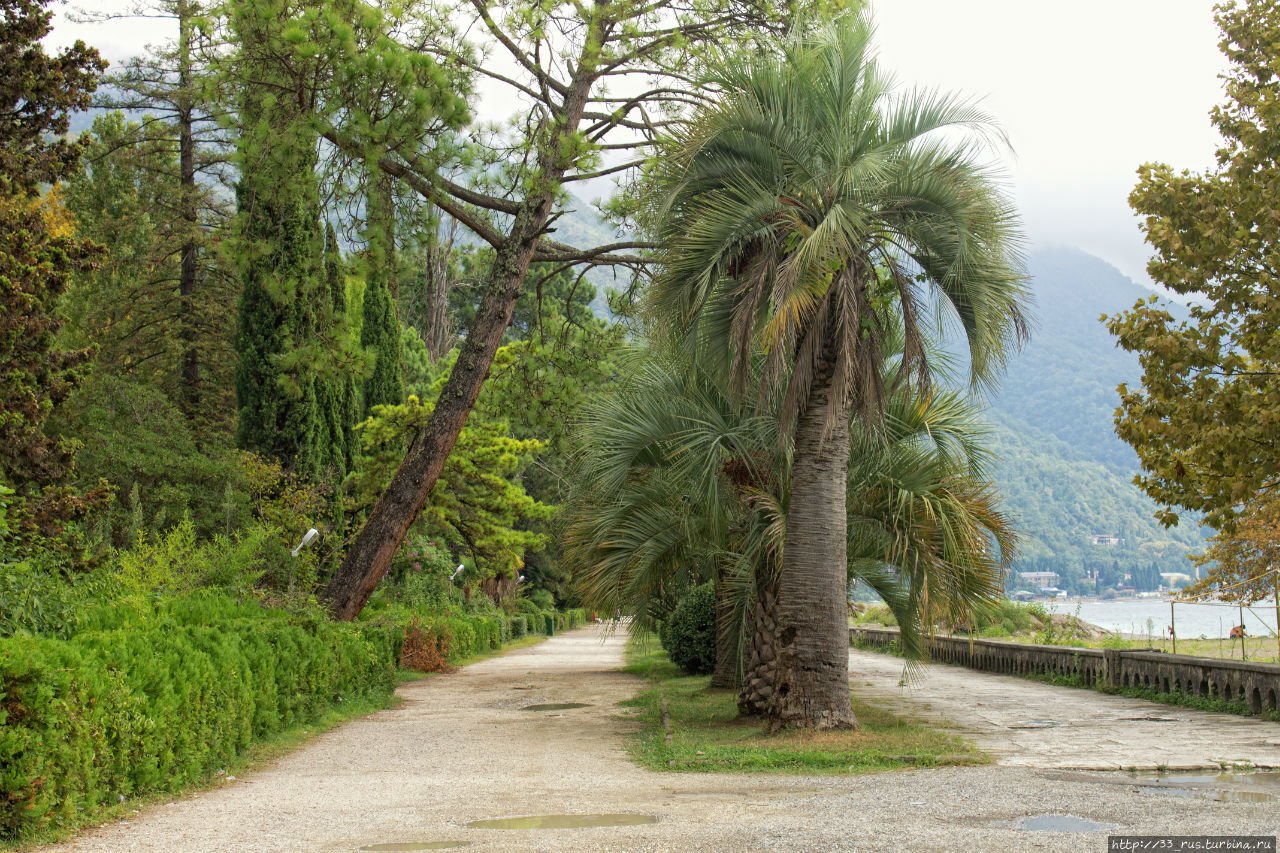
(307, 539)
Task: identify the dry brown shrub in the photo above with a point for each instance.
(424, 648)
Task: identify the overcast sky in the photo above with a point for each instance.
(1086, 90)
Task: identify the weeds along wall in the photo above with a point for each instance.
(150, 697)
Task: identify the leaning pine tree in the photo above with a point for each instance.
(808, 210)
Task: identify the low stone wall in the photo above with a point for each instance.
(1255, 684)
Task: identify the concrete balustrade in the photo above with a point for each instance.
(1257, 685)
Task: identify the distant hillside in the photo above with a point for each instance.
(1064, 381)
(582, 226)
(1064, 474)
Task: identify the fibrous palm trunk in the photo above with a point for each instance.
(727, 659)
(762, 657)
(812, 684)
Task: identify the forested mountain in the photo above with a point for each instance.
(1064, 474)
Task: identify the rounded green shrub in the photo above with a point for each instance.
(689, 633)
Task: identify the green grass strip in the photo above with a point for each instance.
(704, 733)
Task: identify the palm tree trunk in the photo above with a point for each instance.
(762, 661)
(726, 671)
(812, 689)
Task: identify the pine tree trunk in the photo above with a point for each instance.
(762, 661)
(812, 688)
(188, 272)
(436, 326)
(400, 505)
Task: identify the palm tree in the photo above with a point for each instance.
(808, 211)
(680, 481)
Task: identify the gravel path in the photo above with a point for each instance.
(1025, 723)
(460, 749)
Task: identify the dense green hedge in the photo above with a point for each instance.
(150, 697)
(689, 633)
(161, 699)
(465, 636)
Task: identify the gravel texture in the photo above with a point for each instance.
(1026, 723)
(459, 749)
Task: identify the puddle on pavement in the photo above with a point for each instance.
(1225, 786)
(556, 706)
(417, 845)
(1061, 823)
(563, 821)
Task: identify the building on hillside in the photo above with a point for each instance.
(1110, 540)
(1039, 580)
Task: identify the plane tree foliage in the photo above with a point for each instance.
(1205, 416)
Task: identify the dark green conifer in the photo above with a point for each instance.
(285, 299)
(341, 400)
(380, 331)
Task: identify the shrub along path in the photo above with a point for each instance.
(459, 748)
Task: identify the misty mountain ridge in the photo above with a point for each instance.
(1065, 477)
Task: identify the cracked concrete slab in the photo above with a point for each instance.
(1028, 723)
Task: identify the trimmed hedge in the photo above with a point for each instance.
(460, 637)
(153, 705)
(689, 633)
(150, 698)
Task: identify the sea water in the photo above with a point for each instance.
(1150, 616)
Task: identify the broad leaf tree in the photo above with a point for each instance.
(1205, 418)
(811, 209)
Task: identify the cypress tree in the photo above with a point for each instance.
(340, 401)
(39, 252)
(380, 332)
(284, 300)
